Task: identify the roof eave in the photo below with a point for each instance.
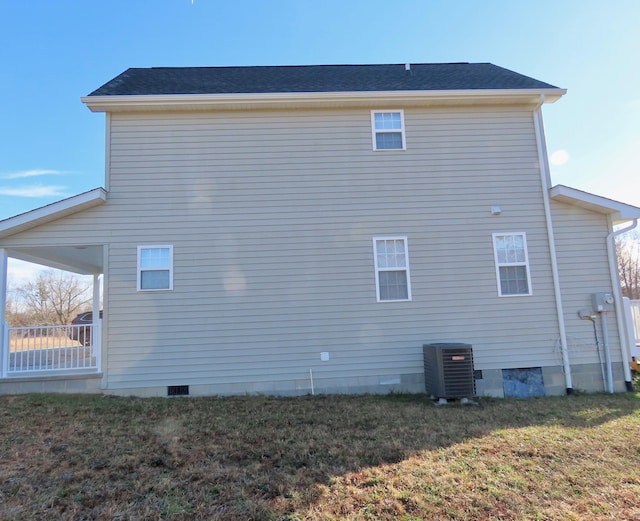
(620, 212)
(52, 212)
(127, 103)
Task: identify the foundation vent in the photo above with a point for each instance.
(178, 390)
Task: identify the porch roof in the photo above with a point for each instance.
(85, 259)
(620, 212)
(52, 212)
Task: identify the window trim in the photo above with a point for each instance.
(375, 132)
(378, 269)
(169, 267)
(524, 263)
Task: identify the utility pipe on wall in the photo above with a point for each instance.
(607, 350)
(545, 178)
(625, 349)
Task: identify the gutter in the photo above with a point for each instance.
(546, 181)
(370, 99)
(619, 306)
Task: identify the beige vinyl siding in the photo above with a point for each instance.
(583, 266)
(271, 216)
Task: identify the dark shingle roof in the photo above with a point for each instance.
(315, 78)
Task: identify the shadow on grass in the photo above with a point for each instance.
(76, 457)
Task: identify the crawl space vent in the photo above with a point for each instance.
(178, 390)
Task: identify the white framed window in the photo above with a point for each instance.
(387, 127)
(512, 264)
(391, 258)
(155, 268)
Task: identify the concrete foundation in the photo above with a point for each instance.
(81, 384)
(489, 383)
(585, 378)
(406, 383)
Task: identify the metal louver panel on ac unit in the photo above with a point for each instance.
(448, 370)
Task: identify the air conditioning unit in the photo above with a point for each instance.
(448, 370)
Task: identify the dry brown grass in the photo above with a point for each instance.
(319, 458)
(60, 341)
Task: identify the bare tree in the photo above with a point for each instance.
(13, 315)
(628, 254)
(54, 298)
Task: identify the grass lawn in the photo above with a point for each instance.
(31, 343)
(319, 458)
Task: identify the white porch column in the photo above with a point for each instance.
(96, 336)
(4, 331)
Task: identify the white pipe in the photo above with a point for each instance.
(625, 349)
(546, 177)
(313, 392)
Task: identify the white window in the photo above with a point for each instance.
(155, 268)
(512, 264)
(388, 130)
(391, 256)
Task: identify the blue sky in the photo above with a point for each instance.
(54, 52)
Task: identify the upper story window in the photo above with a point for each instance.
(388, 130)
(391, 257)
(512, 264)
(155, 268)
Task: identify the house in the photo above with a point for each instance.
(298, 229)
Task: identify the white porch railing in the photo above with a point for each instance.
(51, 349)
(635, 315)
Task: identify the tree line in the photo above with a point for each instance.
(628, 254)
(54, 298)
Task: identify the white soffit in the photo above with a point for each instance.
(620, 212)
(52, 212)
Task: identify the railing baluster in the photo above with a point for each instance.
(37, 353)
(50, 348)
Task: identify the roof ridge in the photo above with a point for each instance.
(306, 65)
(372, 77)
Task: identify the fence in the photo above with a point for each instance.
(51, 348)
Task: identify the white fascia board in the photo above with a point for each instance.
(316, 99)
(52, 211)
(619, 212)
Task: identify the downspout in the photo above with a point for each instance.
(617, 295)
(545, 178)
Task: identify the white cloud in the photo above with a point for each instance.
(35, 191)
(559, 158)
(30, 173)
(19, 272)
